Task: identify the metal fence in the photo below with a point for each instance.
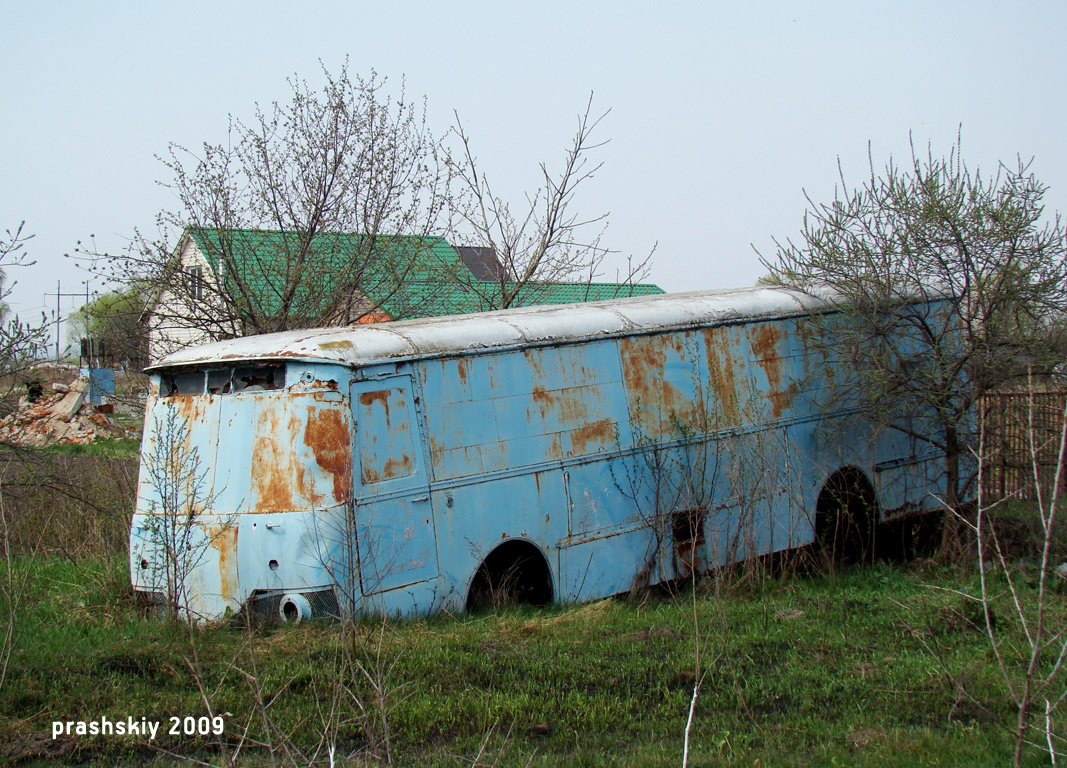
(1019, 427)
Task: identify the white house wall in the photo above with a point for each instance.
(173, 324)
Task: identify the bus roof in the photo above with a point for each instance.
(358, 345)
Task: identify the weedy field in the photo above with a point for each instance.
(886, 665)
(881, 666)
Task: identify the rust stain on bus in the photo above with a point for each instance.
(191, 411)
(764, 339)
(326, 434)
(272, 464)
(368, 399)
(223, 538)
(721, 370)
(657, 404)
(569, 406)
(376, 446)
(191, 408)
(593, 437)
(559, 399)
(401, 467)
(437, 448)
(380, 396)
(542, 399)
(329, 385)
(338, 344)
(782, 400)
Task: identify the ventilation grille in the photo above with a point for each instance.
(263, 607)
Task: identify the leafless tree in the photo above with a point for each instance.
(174, 539)
(543, 241)
(19, 344)
(1019, 599)
(19, 341)
(313, 212)
(886, 253)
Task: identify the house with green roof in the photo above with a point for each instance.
(225, 283)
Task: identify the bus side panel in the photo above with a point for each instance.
(667, 391)
(518, 409)
(459, 429)
(737, 427)
(194, 567)
(178, 453)
(473, 519)
(394, 526)
(605, 496)
(527, 412)
(605, 566)
(576, 393)
(911, 477)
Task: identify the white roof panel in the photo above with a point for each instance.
(431, 337)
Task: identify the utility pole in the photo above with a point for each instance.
(59, 294)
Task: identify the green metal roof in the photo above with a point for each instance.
(257, 265)
(404, 276)
(484, 296)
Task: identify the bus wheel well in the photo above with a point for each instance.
(846, 517)
(515, 572)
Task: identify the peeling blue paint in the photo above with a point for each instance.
(376, 468)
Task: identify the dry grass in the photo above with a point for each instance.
(79, 506)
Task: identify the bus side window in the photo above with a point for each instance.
(258, 378)
(383, 424)
(218, 381)
(186, 383)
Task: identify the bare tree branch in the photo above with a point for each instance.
(20, 342)
(544, 241)
(348, 158)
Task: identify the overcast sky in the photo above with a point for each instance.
(722, 115)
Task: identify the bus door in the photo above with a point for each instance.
(394, 523)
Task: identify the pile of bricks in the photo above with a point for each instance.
(62, 416)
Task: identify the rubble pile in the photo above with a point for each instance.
(62, 416)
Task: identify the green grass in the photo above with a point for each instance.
(859, 669)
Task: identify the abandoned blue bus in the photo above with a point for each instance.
(559, 453)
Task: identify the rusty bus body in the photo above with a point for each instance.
(411, 467)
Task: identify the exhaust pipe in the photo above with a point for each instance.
(294, 608)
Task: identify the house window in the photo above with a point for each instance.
(196, 283)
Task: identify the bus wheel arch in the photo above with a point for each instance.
(846, 517)
(515, 571)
